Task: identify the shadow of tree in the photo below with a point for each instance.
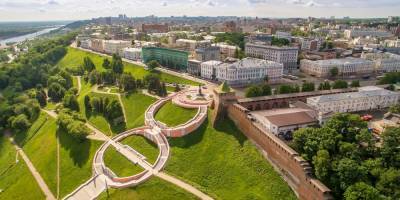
(79, 150)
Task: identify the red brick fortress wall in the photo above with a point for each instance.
(296, 171)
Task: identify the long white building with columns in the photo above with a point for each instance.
(367, 98)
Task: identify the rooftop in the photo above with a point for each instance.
(287, 116)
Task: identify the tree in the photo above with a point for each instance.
(127, 82)
(362, 191)
(113, 110)
(389, 183)
(56, 92)
(163, 90)
(153, 64)
(116, 64)
(287, 89)
(70, 101)
(390, 149)
(87, 102)
(20, 123)
(340, 84)
(355, 83)
(333, 72)
(324, 86)
(41, 97)
(322, 164)
(106, 63)
(94, 77)
(349, 172)
(253, 91)
(308, 87)
(266, 90)
(88, 64)
(395, 109)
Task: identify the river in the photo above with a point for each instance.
(27, 36)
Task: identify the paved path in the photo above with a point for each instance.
(79, 84)
(183, 185)
(42, 184)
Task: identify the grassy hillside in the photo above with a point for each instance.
(153, 189)
(173, 115)
(135, 106)
(16, 181)
(224, 163)
(74, 58)
(144, 146)
(119, 164)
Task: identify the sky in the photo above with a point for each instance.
(45, 10)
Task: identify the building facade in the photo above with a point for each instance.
(208, 69)
(194, 67)
(116, 46)
(249, 71)
(133, 53)
(384, 62)
(207, 54)
(227, 50)
(155, 28)
(310, 44)
(285, 55)
(367, 98)
(97, 45)
(243, 72)
(86, 44)
(173, 59)
(192, 45)
(353, 33)
(346, 67)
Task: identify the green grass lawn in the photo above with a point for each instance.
(16, 181)
(43, 157)
(74, 58)
(135, 106)
(50, 105)
(173, 115)
(144, 146)
(225, 164)
(154, 189)
(76, 159)
(119, 164)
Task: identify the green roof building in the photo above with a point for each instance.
(170, 58)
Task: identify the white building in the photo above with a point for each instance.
(86, 44)
(133, 53)
(249, 71)
(384, 62)
(346, 67)
(353, 33)
(285, 55)
(283, 122)
(208, 69)
(367, 98)
(392, 43)
(244, 72)
(283, 35)
(191, 45)
(227, 50)
(116, 46)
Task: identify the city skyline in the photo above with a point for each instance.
(40, 10)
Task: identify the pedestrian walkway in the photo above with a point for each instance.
(42, 184)
(183, 185)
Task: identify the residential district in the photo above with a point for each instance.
(310, 108)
